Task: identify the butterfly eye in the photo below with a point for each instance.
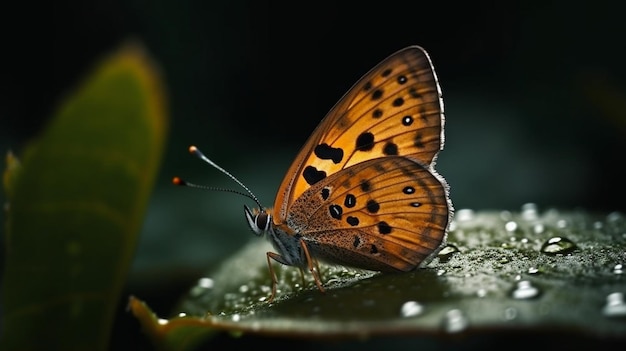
(258, 222)
(263, 221)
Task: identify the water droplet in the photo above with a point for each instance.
(539, 228)
(411, 309)
(618, 269)
(510, 313)
(455, 321)
(524, 290)
(162, 321)
(506, 215)
(235, 317)
(510, 226)
(201, 287)
(614, 217)
(206, 283)
(530, 211)
(615, 305)
(464, 214)
(182, 314)
(446, 253)
(533, 270)
(558, 245)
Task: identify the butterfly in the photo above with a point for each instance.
(363, 192)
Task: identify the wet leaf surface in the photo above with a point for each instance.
(529, 271)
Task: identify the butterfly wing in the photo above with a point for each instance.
(395, 109)
(384, 214)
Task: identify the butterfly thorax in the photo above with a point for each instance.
(284, 240)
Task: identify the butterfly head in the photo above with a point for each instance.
(259, 220)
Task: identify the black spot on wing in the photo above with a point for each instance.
(365, 141)
(350, 201)
(353, 221)
(312, 175)
(357, 241)
(372, 206)
(335, 211)
(325, 193)
(374, 250)
(384, 228)
(390, 149)
(407, 120)
(417, 141)
(327, 152)
(377, 94)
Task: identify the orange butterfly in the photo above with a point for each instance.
(363, 191)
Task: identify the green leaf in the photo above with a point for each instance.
(501, 271)
(76, 207)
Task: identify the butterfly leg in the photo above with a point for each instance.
(278, 258)
(310, 262)
(302, 276)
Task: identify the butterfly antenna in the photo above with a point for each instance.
(195, 151)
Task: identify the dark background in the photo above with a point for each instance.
(535, 99)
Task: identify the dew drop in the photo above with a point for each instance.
(162, 321)
(558, 245)
(524, 290)
(206, 283)
(510, 313)
(533, 270)
(615, 305)
(182, 314)
(510, 226)
(539, 228)
(235, 317)
(530, 211)
(506, 215)
(614, 217)
(446, 253)
(464, 215)
(201, 287)
(411, 309)
(455, 321)
(618, 269)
